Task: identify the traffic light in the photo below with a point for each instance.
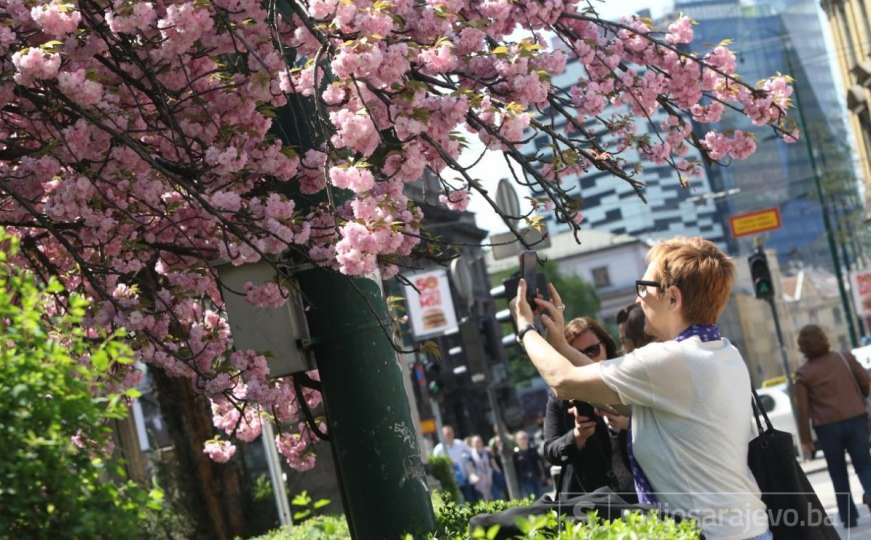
(473, 349)
(763, 285)
(433, 372)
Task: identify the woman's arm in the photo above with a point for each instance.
(801, 398)
(559, 440)
(567, 380)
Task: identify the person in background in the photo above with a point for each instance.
(583, 445)
(484, 467)
(500, 486)
(461, 456)
(529, 465)
(630, 325)
(830, 391)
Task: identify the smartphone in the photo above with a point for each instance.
(584, 409)
(536, 282)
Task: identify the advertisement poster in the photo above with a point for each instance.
(861, 284)
(431, 310)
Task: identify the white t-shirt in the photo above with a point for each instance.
(691, 424)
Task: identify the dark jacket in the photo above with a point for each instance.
(529, 465)
(584, 469)
(828, 389)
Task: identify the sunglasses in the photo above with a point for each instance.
(642, 285)
(592, 350)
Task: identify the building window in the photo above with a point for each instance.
(601, 277)
(837, 315)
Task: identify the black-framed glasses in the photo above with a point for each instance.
(593, 350)
(641, 287)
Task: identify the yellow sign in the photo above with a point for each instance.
(755, 222)
(428, 426)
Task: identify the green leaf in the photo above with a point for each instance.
(302, 499)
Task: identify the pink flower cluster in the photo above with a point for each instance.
(740, 145)
(56, 19)
(34, 64)
(219, 451)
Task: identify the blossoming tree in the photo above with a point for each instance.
(137, 146)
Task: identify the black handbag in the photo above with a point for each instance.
(794, 510)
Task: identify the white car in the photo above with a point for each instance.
(775, 402)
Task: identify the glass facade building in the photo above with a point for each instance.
(784, 37)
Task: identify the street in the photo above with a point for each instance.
(819, 478)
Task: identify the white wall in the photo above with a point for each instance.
(625, 265)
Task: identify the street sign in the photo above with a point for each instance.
(755, 222)
(428, 425)
(506, 245)
(861, 285)
(507, 200)
(430, 307)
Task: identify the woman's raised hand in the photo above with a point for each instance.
(553, 317)
(521, 311)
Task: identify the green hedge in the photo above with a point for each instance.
(453, 521)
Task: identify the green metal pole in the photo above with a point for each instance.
(827, 222)
(368, 414)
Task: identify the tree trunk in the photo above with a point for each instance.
(211, 491)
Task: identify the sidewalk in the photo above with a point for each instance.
(815, 465)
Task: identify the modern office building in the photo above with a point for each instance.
(610, 204)
(784, 37)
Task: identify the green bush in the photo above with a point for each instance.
(633, 525)
(452, 521)
(442, 469)
(49, 488)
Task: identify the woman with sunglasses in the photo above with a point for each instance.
(591, 456)
(689, 392)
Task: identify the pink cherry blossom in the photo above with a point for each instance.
(79, 89)
(33, 64)
(680, 31)
(219, 451)
(57, 18)
(456, 200)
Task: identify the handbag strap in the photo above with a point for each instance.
(758, 410)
